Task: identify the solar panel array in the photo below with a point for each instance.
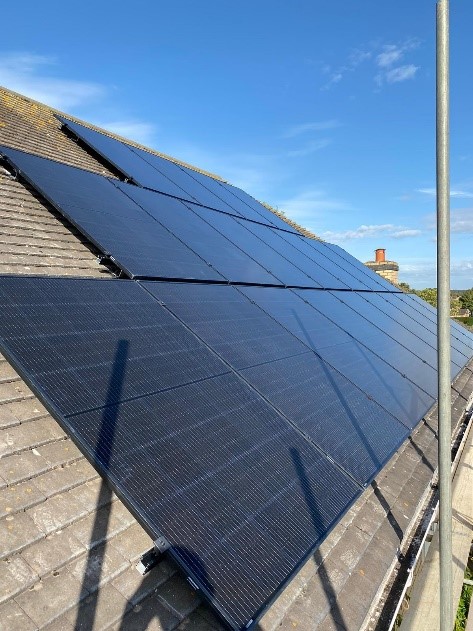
(241, 394)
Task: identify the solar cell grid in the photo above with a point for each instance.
(372, 374)
(236, 231)
(421, 327)
(347, 275)
(391, 327)
(284, 247)
(239, 331)
(137, 243)
(199, 236)
(197, 455)
(339, 256)
(388, 348)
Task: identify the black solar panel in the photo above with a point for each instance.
(348, 275)
(201, 459)
(357, 433)
(238, 232)
(152, 171)
(137, 243)
(388, 304)
(370, 372)
(393, 351)
(238, 422)
(340, 257)
(211, 246)
(427, 311)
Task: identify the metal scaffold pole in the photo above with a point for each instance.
(443, 326)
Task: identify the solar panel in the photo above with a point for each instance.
(247, 201)
(388, 304)
(414, 341)
(152, 171)
(400, 396)
(201, 459)
(211, 246)
(391, 350)
(429, 312)
(238, 232)
(309, 266)
(338, 256)
(357, 433)
(137, 243)
(348, 275)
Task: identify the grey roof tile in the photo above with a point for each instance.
(15, 576)
(19, 497)
(16, 532)
(52, 552)
(54, 595)
(13, 618)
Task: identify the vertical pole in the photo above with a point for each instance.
(443, 323)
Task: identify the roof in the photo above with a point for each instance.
(70, 546)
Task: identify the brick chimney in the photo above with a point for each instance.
(380, 255)
(387, 269)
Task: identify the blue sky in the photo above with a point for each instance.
(324, 109)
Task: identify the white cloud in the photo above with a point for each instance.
(391, 53)
(304, 128)
(385, 61)
(28, 74)
(461, 221)
(306, 206)
(309, 148)
(459, 268)
(405, 232)
(453, 193)
(373, 230)
(402, 73)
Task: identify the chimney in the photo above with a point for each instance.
(380, 255)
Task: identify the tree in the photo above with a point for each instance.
(405, 287)
(466, 300)
(429, 295)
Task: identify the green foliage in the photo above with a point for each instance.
(464, 605)
(466, 299)
(429, 295)
(405, 287)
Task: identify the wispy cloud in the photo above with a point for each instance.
(461, 221)
(355, 58)
(307, 205)
(310, 147)
(373, 230)
(402, 73)
(304, 128)
(453, 193)
(462, 268)
(384, 58)
(30, 74)
(392, 53)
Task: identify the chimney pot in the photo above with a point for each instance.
(380, 255)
